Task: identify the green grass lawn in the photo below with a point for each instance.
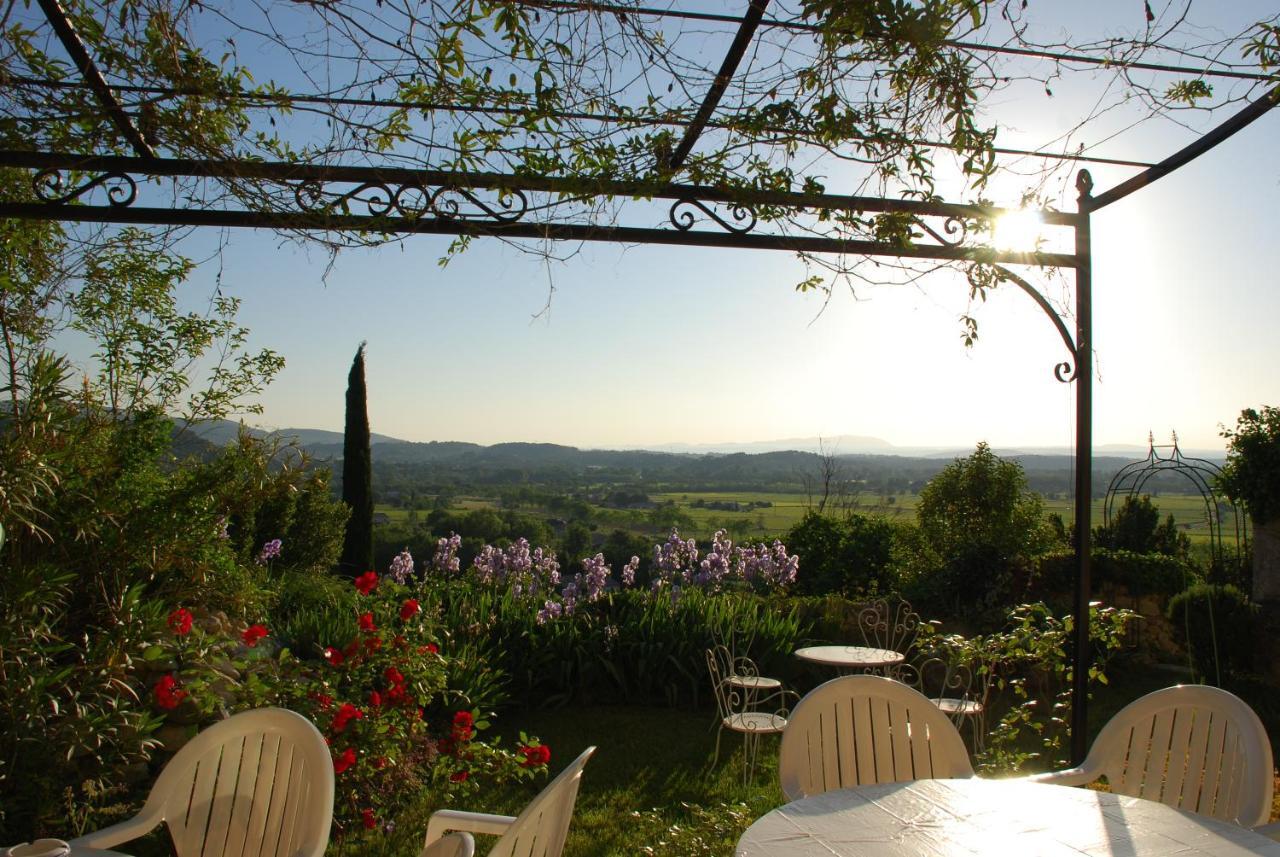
(658, 763)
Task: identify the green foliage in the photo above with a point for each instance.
(106, 528)
(1030, 659)
(1136, 527)
(983, 524)
(379, 691)
(147, 350)
(357, 474)
(850, 557)
(70, 710)
(1217, 624)
(1140, 573)
(1251, 474)
(631, 646)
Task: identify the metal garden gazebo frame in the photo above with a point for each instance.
(411, 201)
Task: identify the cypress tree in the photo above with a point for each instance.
(357, 474)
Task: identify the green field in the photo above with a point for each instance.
(786, 509)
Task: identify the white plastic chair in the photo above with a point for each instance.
(539, 831)
(865, 729)
(259, 784)
(1193, 747)
(453, 845)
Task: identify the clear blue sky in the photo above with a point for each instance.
(650, 345)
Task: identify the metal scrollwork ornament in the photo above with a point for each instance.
(53, 187)
(743, 216)
(377, 198)
(954, 232)
(447, 203)
(1064, 372)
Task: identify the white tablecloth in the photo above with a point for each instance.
(993, 818)
(850, 657)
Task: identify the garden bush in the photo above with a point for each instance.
(1141, 573)
(849, 557)
(1217, 624)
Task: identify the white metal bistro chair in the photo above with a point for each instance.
(538, 831)
(259, 784)
(746, 702)
(959, 682)
(1193, 747)
(866, 729)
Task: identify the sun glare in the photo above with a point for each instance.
(1018, 231)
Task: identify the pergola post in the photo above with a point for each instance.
(1084, 472)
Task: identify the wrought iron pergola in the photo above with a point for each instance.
(88, 187)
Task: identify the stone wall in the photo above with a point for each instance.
(1154, 635)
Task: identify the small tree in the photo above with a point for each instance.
(1137, 527)
(983, 522)
(1251, 476)
(357, 474)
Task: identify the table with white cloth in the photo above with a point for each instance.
(965, 818)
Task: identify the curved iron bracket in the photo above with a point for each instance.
(1061, 370)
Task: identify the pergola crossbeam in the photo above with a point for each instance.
(75, 48)
(728, 68)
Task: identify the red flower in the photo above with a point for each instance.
(393, 676)
(253, 634)
(373, 644)
(367, 582)
(433, 648)
(462, 726)
(535, 756)
(409, 609)
(458, 777)
(366, 623)
(180, 621)
(346, 760)
(380, 762)
(375, 699)
(333, 656)
(324, 700)
(396, 693)
(345, 715)
(167, 693)
(367, 819)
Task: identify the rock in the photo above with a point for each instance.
(172, 736)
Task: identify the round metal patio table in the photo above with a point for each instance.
(967, 818)
(851, 657)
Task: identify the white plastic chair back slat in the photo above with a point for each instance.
(863, 729)
(1196, 748)
(238, 826)
(259, 784)
(540, 830)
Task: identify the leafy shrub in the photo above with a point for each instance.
(1031, 658)
(1150, 573)
(70, 709)
(849, 557)
(1216, 623)
(378, 691)
(1136, 527)
(1251, 474)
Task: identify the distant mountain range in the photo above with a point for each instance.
(326, 444)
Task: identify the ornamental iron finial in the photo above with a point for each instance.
(1084, 184)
